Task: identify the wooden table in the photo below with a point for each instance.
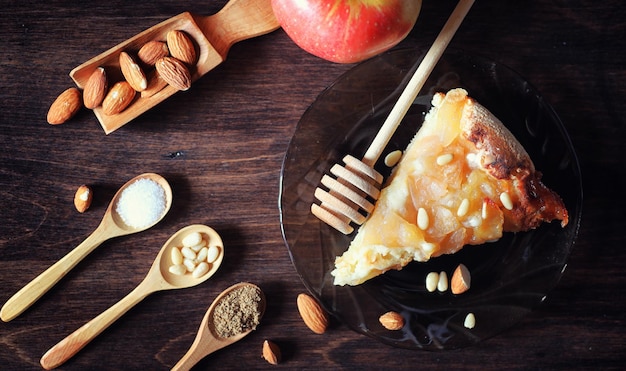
(221, 146)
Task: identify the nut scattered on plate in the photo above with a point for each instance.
(470, 321)
(432, 279)
(392, 321)
(442, 285)
(461, 280)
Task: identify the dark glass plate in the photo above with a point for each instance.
(509, 277)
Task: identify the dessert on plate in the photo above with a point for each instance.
(463, 180)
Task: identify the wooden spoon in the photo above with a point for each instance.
(159, 278)
(358, 179)
(213, 35)
(111, 226)
(207, 340)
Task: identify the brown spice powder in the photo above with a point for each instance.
(238, 311)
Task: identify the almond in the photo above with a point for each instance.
(271, 352)
(174, 72)
(181, 47)
(82, 198)
(461, 280)
(152, 51)
(392, 321)
(95, 88)
(118, 98)
(312, 313)
(132, 72)
(64, 106)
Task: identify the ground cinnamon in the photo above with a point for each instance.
(238, 311)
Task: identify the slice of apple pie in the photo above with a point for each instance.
(463, 179)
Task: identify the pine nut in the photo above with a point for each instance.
(431, 281)
(202, 254)
(442, 285)
(505, 198)
(200, 270)
(190, 264)
(192, 239)
(177, 257)
(188, 252)
(213, 253)
(199, 246)
(195, 256)
(444, 159)
(463, 208)
(470, 321)
(178, 269)
(428, 247)
(393, 158)
(422, 219)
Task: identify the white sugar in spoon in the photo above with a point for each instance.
(159, 278)
(111, 226)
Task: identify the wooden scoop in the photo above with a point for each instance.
(358, 179)
(207, 339)
(213, 35)
(159, 278)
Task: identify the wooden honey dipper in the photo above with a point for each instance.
(357, 180)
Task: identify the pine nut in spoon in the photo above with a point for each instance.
(213, 35)
(213, 333)
(159, 278)
(340, 205)
(112, 225)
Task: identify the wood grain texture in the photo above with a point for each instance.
(220, 145)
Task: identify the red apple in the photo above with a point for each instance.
(346, 31)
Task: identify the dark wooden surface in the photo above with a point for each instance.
(221, 145)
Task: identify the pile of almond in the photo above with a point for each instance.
(155, 65)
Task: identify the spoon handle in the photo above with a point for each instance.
(193, 356)
(203, 345)
(238, 20)
(35, 289)
(74, 342)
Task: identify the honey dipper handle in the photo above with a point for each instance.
(416, 82)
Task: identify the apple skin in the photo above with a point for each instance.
(346, 31)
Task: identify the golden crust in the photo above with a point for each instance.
(500, 152)
(503, 157)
